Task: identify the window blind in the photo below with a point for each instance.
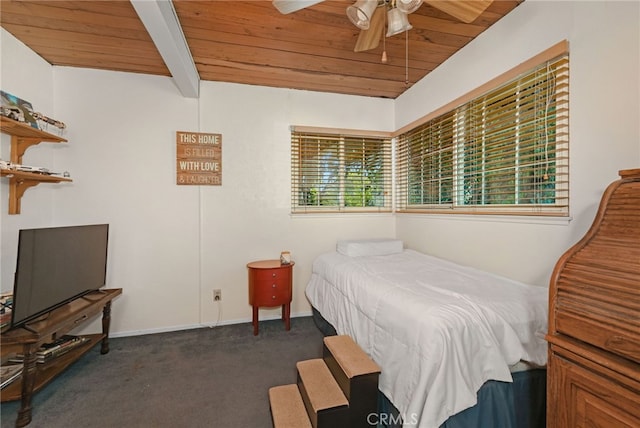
(340, 172)
(505, 151)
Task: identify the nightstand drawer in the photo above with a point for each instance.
(270, 294)
(264, 276)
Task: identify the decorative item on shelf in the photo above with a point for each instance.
(18, 109)
(13, 113)
(34, 169)
(10, 166)
(50, 125)
(285, 258)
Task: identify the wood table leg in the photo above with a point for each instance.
(255, 320)
(287, 319)
(106, 321)
(28, 381)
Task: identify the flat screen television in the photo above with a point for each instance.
(56, 265)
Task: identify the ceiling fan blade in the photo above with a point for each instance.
(288, 6)
(466, 11)
(370, 38)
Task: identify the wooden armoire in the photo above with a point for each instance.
(593, 372)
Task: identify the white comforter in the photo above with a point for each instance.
(438, 330)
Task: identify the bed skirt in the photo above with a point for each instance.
(520, 404)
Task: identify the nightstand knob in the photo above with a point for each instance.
(273, 274)
(274, 286)
(273, 297)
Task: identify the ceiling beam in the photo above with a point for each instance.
(161, 21)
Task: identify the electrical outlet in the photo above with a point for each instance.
(217, 295)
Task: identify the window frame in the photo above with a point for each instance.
(456, 112)
(342, 137)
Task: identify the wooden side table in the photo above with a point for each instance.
(270, 284)
(59, 322)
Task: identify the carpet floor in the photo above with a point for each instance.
(207, 377)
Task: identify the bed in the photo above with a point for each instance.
(458, 347)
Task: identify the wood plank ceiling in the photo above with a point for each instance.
(247, 42)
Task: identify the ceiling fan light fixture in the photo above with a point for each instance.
(360, 13)
(408, 6)
(397, 22)
(289, 6)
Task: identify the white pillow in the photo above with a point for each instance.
(369, 247)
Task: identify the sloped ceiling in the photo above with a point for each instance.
(246, 42)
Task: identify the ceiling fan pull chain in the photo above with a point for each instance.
(406, 58)
(384, 39)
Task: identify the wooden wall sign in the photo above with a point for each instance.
(198, 158)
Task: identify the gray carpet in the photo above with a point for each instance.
(208, 377)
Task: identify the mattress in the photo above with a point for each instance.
(438, 330)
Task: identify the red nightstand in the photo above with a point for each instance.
(270, 284)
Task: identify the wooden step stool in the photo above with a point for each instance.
(356, 374)
(287, 408)
(326, 404)
(339, 390)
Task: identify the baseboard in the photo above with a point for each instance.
(210, 325)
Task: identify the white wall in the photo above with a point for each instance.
(28, 76)
(604, 43)
(171, 245)
(248, 218)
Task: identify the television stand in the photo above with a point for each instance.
(60, 321)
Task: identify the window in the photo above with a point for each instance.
(502, 152)
(340, 172)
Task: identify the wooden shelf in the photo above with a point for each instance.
(20, 129)
(24, 136)
(33, 176)
(20, 181)
(49, 370)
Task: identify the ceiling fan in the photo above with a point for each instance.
(369, 15)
